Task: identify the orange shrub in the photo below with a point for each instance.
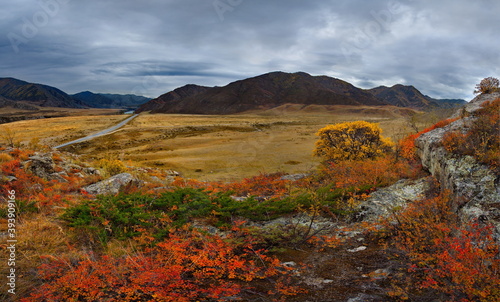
(374, 173)
(467, 266)
(263, 185)
(461, 262)
(407, 148)
(188, 266)
(4, 157)
(483, 138)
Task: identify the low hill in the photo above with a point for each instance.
(262, 92)
(106, 100)
(36, 94)
(408, 96)
(155, 105)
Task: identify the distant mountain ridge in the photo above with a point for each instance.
(36, 94)
(408, 96)
(23, 95)
(261, 92)
(266, 91)
(107, 100)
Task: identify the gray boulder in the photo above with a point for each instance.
(41, 165)
(384, 202)
(112, 185)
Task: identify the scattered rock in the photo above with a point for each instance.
(91, 171)
(289, 264)
(112, 185)
(358, 249)
(293, 177)
(364, 298)
(9, 178)
(316, 282)
(58, 176)
(41, 165)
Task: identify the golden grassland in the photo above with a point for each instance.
(54, 112)
(209, 147)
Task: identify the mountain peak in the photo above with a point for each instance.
(408, 96)
(36, 94)
(265, 91)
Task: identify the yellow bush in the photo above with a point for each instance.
(111, 167)
(351, 141)
(4, 157)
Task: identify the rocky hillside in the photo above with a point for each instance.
(262, 92)
(36, 94)
(408, 96)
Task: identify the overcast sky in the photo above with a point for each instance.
(149, 47)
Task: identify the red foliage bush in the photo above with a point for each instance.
(188, 266)
(268, 185)
(374, 173)
(406, 147)
(459, 261)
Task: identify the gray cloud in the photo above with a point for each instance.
(150, 47)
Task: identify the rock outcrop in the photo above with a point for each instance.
(112, 185)
(384, 202)
(475, 186)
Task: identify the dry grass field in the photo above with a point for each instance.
(54, 112)
(208, 147)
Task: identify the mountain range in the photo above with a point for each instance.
(107, 100)
(278, 88)
(408, 96)
(23, 95)
(262, 92)
(36, 94)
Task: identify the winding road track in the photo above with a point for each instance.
(101, 133)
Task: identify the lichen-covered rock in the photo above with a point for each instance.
(474, 186)
(475, 104)
(112, 185)
(383, 202)
(41, 165)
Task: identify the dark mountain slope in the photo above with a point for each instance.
(408, 96)
(262, 92)
(175, 95)
(36, 94)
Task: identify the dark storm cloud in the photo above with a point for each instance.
(150, 47)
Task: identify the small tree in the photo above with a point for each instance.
(8, 135)
(487, 85)
(351, 141)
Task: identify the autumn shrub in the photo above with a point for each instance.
(33, 192)
(264, 185)
(440, 254)
(482, 140)
(5, 157)
(351, 141)
(111, 167)
(342, 184)
(187, 266)
(487, 85)
(406, 147)
(269, 185)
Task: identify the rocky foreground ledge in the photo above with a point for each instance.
(475, 186)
